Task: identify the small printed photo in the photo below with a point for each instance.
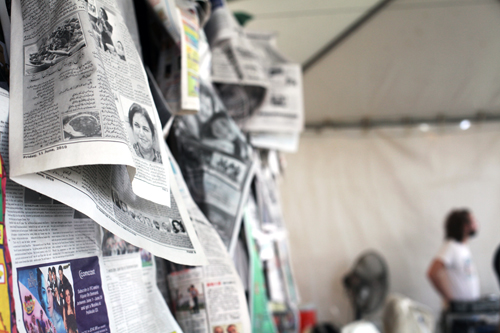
(231, 328)
(64, 40)
(142, 130)
(91, 8)
(85, 124)
(178, 227)
(189, 298)
(229, 167)
(146, 258)
(47, 296)
(278, 100)
(34, 198)
(113, 245)
(103, 24)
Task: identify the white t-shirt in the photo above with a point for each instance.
(462, 274)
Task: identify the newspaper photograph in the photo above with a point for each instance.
(80, 95)
(104, 194)
(209, 298)
(216, 162)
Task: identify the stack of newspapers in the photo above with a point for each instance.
(141, 146)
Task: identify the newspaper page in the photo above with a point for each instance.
(175, 60)
(62, 281)
(210, 298)
(135, 300)
(104, 194)
(216, 162)
(80, 94)
(237, 69)
(283, 107)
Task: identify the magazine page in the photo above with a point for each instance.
(80, 95)
(210, 298)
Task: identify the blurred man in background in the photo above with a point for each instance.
(452, 272)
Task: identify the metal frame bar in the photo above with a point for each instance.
(344, 35)
(368, 123)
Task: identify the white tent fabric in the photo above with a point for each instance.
(345, 192)
(416, 58)
(302, 27)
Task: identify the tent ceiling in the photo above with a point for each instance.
(303, 27)
(413, 59)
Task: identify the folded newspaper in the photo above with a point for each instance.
(283, 108)
(80, 95)
(174, 32)
(214, 156)
(216, 162)
(237, 69)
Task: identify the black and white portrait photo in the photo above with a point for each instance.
(142, 130)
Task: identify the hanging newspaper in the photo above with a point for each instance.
(211, 298)
(237, 70)
(283, 108)
(175, 59)
(104, 194)
(216, 162)
(80, 95)
(262, 320)
(64, 282)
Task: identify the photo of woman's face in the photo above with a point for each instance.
(221, 129)
(142, 133)
(68, 297)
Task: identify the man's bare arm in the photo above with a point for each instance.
(439, 279)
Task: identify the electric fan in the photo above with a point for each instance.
(367, 284)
